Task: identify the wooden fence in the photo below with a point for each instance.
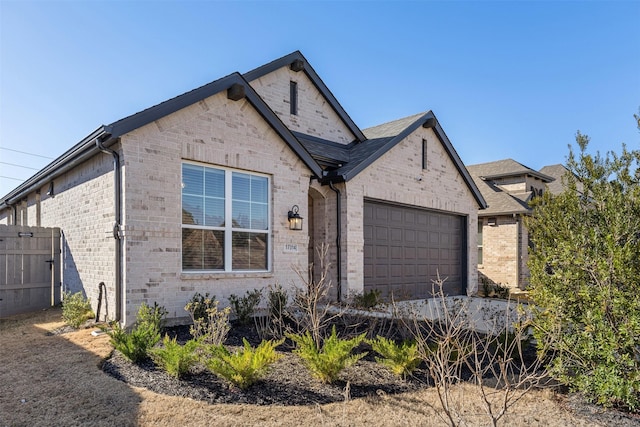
(29, 269)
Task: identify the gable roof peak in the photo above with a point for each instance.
(291, 61)
(393, 127)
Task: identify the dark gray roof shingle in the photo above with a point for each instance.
(500, 201)
(560, 173)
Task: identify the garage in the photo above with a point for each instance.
(405, 248)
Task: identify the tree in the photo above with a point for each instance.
(585, 276)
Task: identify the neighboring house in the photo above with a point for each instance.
(194, 195)
(560, 174)
(503, 241)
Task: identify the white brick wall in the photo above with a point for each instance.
(315, 115)
(220, 132)
(505, 252)
(394, 177)
(83, 208)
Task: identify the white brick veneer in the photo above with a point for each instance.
(398, 177)
(216, 131)
(315, 115)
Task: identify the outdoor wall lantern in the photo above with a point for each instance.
(295, 220)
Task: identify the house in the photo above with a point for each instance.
(560, 174)
(503, 241)
(201, 193)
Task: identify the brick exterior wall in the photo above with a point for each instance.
(216, 132)
(505, 251)
(315, 115)
(398, 177)
(83, 208)
(221, 132)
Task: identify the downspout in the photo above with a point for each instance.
(338, 239)
(117, 234)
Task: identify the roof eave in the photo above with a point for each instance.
(484, 214)
(111, 133)
(77, 154)
(541, 176)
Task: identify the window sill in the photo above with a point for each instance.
(198, 275)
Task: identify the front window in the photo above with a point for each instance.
(225, 220)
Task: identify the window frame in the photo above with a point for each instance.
(228, 228)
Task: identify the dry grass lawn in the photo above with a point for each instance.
(55, 380)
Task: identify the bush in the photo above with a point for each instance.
(335, 355)
(277, 300)
(367, 300)
(151, 316)
(198, 306)
(245, 307)
(274, 323)
(76, 309)
(402, 359)
(210, 325)
(244, 367)
(174, 358)
(135, 345)
(585, 274)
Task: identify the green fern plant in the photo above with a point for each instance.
(135, 345)
(244, 367)
(401, 358)
(174, 358)
(335, 355)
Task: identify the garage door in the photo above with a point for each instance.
(406, 247)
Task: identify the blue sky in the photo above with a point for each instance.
(505, 79)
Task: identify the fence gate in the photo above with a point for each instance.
(29, 269)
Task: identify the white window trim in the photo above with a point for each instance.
(228, 227)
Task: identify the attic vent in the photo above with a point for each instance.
(236, 92)
(293, 98)
(297, 65)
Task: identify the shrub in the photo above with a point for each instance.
(152, 316)
(585, 274)
(245, 307)
(198, 306)
(244, 367)
(510, 345)
(367, 300)
(401, 359)
(76, 309)
(210, 325)
(174, 358)
(335, 355)
(135, 345)
(277, 300)
(274, 323)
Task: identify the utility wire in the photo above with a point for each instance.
(8, 177)
(24, 152)
(20, 166)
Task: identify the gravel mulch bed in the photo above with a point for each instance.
(288, 382)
